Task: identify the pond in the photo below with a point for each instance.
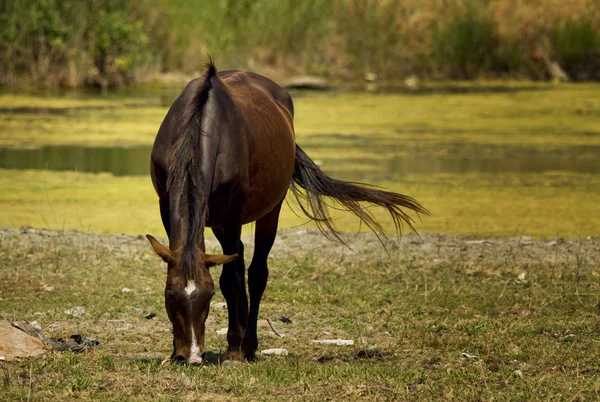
(135, 161)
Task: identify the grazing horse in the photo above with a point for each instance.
(226, 155)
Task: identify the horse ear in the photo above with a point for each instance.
(162, 251)
(210, 260)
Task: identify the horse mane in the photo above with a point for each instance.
(185, 168)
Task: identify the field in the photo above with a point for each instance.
(529, 136)
(438, 318)
(498, 299)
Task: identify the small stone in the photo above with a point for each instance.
(337, 342)
(75, 311)
(468, 356)
(125, 290)
(222, 331)
(47, 288)
(519, 373)
(274, 352)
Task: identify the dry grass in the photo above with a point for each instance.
(526, 312)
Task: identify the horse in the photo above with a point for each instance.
(224, 156)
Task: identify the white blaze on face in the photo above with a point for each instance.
(195, 358)
(190, 288)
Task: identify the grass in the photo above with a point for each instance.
(519, 114)
(494, 204)
(339, 129)
(526, 314)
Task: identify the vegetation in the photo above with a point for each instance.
(543, 205)
(540, 115)
(110, 43)
(74, 43)
(506, 123)
(436, 319)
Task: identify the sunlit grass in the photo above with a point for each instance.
(545, 116)
(527, 325)
(497, 205)
(338, 129)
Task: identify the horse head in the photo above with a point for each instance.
(188, 300)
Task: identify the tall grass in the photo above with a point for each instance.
(393, 38)
(577, 47)
(110, 42)
(74, 43)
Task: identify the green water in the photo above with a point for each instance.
(134, 161)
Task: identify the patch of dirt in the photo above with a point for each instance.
(300, 243)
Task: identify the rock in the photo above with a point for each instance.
(484, 241)
(125, 290)
(222, 331)
(219, 306)
(77, 343)
(47, 288)
(274, 352)
(465, 355)
(284, 320)
(75, 311)
(337, 342)
(525, 241)
(519, 373)
(306, 82)
(16, 344)
(412, 82)
(370, 76)
(36, 325)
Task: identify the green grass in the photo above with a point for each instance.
(489, 113)
(496, 204)
(333, 127)
(416, 310)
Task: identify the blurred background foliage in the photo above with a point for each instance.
(111, 43)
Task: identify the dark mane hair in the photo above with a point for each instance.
(185, 168)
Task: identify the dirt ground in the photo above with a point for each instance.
(299, 243)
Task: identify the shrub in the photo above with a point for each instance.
(467, 45)
(576, 45)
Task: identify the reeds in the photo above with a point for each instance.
(109, 43)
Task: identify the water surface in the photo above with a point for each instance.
(393, 160)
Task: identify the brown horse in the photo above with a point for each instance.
(224, 156)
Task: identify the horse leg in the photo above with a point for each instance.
(258, 273)
(241, 271)
(231, 287)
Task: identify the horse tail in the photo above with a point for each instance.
(317, 185)
(185, 166)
